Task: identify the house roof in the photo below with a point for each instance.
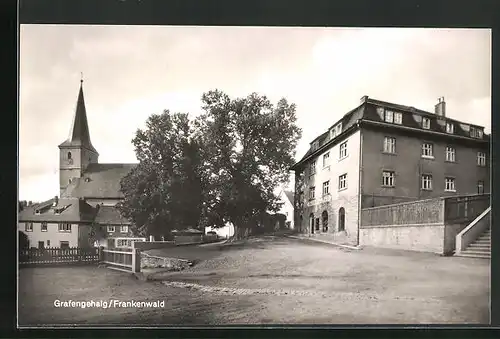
(110, 215)
(66, 210)
(79, 133)
(367, 111)
(289, 195)
(99, 181)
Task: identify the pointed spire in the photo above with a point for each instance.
(79, 133)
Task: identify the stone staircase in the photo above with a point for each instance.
(481, 248)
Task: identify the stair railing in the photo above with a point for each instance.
(472, 231)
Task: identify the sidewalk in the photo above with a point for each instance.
(324, 241)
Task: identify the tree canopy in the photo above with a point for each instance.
(223, 166)
(164, 191)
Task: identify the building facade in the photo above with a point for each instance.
(86, 214)
(382, 153)
(286, 197)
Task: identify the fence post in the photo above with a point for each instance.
(100, 254)
(136, 260)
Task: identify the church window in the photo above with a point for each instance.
(69, 155)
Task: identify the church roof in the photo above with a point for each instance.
(66, 210)
(79, 134)
(110, 215)
(99, 181)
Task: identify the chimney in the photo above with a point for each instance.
(440, 108)
(363, 99)
(56, 201)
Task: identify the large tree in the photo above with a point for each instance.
(248, 146)
(164, 192)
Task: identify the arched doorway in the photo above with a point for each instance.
(311, 222)
(324, 221)
(341, 219)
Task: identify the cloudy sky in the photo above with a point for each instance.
(131, 72)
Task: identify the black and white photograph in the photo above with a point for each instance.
(252, 175)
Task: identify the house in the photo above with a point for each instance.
(86, 213)
(382, 153)
(287, 199)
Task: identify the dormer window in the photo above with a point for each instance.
(426, 123)
(449, 128)
(398, 118)
(69, 181)
(37, 212)
(476, 132)
(389, 116)
(87, 179)
(338, 129)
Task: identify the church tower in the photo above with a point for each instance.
(77, 152)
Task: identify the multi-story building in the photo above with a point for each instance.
(381, 153)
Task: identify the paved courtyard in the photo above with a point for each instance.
(271, 280)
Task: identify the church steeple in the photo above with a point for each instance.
(79, 133)
(77, 152)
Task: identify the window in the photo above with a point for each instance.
(124, 229)
(315, 145)
(450, 154)
(111, 229)
(312, 192)
(427, 182)
(313, 167)
(69, 155)
(449, 127)
(390, 145)
(343, 181)
(481, 159)
(326, 188)
(476, 132)
(338, 129)
(326, 159)
(427, 151)
(449, 184)
(43, 227)
(64, 227)
(480, 187)
(398, 118)
(122, 243)
(343, 150)
(28, 226)
(388, 178)
(64, 244)
(389, 116)
(48, 243)
(426, 123)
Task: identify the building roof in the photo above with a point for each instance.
(79, 134)
(110, 215)
(65, 210)
(99, 181)
(289, 195)
(371, 110)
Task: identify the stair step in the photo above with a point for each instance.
(469, 255)
(476, 252)
(476, 245)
